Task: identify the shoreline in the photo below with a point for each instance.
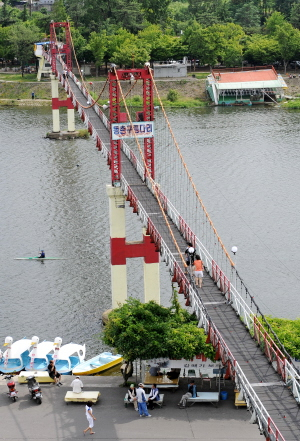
(191, 92)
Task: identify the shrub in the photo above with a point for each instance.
(173, 95)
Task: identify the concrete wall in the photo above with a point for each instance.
(174, 70)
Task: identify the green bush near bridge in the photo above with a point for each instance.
(288, 332)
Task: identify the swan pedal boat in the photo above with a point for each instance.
(15, 354)
(69, 356)
(41, 358)
(100, 363)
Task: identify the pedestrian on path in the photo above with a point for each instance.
(90, 417)
(142, 401)
(198, 271)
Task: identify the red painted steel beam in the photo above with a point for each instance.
(57, 103)
(116, 117)
(120, 250)
(66, 48)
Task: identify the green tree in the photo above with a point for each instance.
(295, 15)
(262, 49)
(131, 54)
(98, 46)
(42, 20)
(81, 46)
(148, 330)
(219, 43)
(8, 15)
(22, 38)
(275, 21)
(248, 16)
(58, 12)
(161, 45)
(156, 11)
(284, 6)
(24, 14)
(5, 44)
(288, 41)
(208, 12)
(288, 332)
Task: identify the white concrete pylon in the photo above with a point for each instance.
(120, 250)
(117, 230)
(55, 112)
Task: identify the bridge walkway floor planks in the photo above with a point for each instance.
(276, 398)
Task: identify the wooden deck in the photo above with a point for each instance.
(277, 399)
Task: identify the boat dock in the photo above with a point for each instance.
(56, 420)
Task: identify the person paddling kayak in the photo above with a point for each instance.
(42, 254)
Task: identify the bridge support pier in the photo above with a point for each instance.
(56, 105)
(120, 250)
(55, 112)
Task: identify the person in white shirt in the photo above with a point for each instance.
(90, 417)
(141, 399)
(77, 385)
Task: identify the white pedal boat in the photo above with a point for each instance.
(67, 357)
(39, 356)
(12, 360)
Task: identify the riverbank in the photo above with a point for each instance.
(54, 419)
(190, 92)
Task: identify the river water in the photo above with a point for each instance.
(245, 162)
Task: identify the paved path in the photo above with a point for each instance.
(55, 420)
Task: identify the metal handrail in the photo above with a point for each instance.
(291, 376)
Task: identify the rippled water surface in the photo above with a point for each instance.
(245, 163)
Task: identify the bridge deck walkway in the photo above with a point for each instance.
(272, 392)
(276, 397)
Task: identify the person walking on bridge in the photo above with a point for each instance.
(189, 255)
(198, 271)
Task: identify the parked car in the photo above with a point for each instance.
(276, 64)
(295, 64)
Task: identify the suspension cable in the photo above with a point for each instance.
(148, 173)
(189, 175)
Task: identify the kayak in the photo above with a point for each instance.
(39, 258)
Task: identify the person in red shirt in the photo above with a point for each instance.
(198, 271)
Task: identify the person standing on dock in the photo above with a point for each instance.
(90, 417)
(198, 271)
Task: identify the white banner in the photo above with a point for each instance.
(140, 129)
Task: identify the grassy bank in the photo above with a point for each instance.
(292, 104)
(188, 93)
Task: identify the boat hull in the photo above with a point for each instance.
(39, 258)
(89, 367)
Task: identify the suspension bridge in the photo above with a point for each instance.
(169, 206)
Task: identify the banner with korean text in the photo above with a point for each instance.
(140, 129)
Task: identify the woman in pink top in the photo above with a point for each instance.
(198, 271)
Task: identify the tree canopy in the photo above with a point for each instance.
(148, 330)
(288, 332)
(211, 31)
